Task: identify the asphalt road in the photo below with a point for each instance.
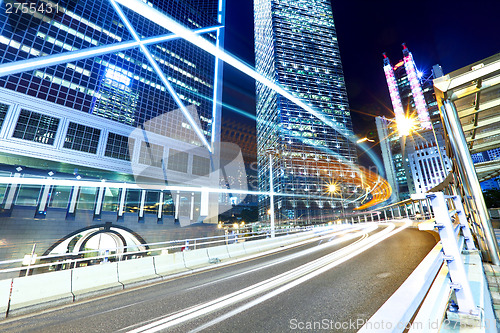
(350, 291)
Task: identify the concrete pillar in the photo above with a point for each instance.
(191, 213)
(73, 199)
(177, 204)
(160, 206)
(98, 203)
(42, 205)
(141, 204)
(121, 207)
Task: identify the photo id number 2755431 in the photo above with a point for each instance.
(31, 7)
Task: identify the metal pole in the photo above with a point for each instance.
(31, 258)
(271, 194)
(465, 164)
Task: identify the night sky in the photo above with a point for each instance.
(452, 34)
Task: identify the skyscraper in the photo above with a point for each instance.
(417, 162)
(93, 91)
(296, 46)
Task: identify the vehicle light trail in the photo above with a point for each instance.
(284, 281)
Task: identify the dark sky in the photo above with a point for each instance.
(453, 34)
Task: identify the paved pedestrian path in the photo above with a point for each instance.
(493, 276)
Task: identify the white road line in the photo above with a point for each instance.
(287, 258)
(287, 280)
(292, 284)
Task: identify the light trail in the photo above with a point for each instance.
(163, 20)
(283, 282)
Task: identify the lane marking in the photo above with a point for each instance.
(288, 280)
(289, 257)
(293, 283)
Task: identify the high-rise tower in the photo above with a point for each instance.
(296, 46)
(94, 91)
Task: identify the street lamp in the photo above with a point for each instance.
(334, 188)
(271, 213)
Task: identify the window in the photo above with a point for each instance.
(151, 154)
(118, 147)
(82, 138)
(3, 112)
(33, 126)
(201, 166)
(177, 161)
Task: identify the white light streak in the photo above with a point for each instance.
(286, 280)
(162, 76)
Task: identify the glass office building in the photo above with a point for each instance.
(296, 46)
(80, 100)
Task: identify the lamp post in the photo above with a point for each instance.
(271, 213)
(333, 188)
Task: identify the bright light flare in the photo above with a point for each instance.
(406, 125)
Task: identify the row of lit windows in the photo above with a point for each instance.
(36, 127)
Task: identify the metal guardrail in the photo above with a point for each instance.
(398, 311)
(28, 266)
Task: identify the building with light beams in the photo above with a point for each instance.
(412, 143)
(93, 91)
(296, 46)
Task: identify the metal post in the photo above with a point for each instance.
(31, 259)
(453, 256)
(469, 177)
(385, 214)
(421, 207)
(271, 195)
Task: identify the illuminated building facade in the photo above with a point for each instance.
(411, 156)
(120, 113)
(296, 46)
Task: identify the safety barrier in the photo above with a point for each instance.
(5, 286)
(196, 258)
(137, 271)
(218, 252)
(425, 295)
(31, 292)
(92, 280)
(34, 292)
(169, 264)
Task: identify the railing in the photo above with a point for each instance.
(442, 271)
(27, 265)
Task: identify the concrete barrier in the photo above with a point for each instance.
(35, 292)
(218, 252)
(92, 280)
(236, 250)
(260, 245)
(195, 258)
(168, 264)
(137, 271)
(4, 296)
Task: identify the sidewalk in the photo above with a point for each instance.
(492, 273)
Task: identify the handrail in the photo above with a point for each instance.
(71, 259)
(402, 306)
